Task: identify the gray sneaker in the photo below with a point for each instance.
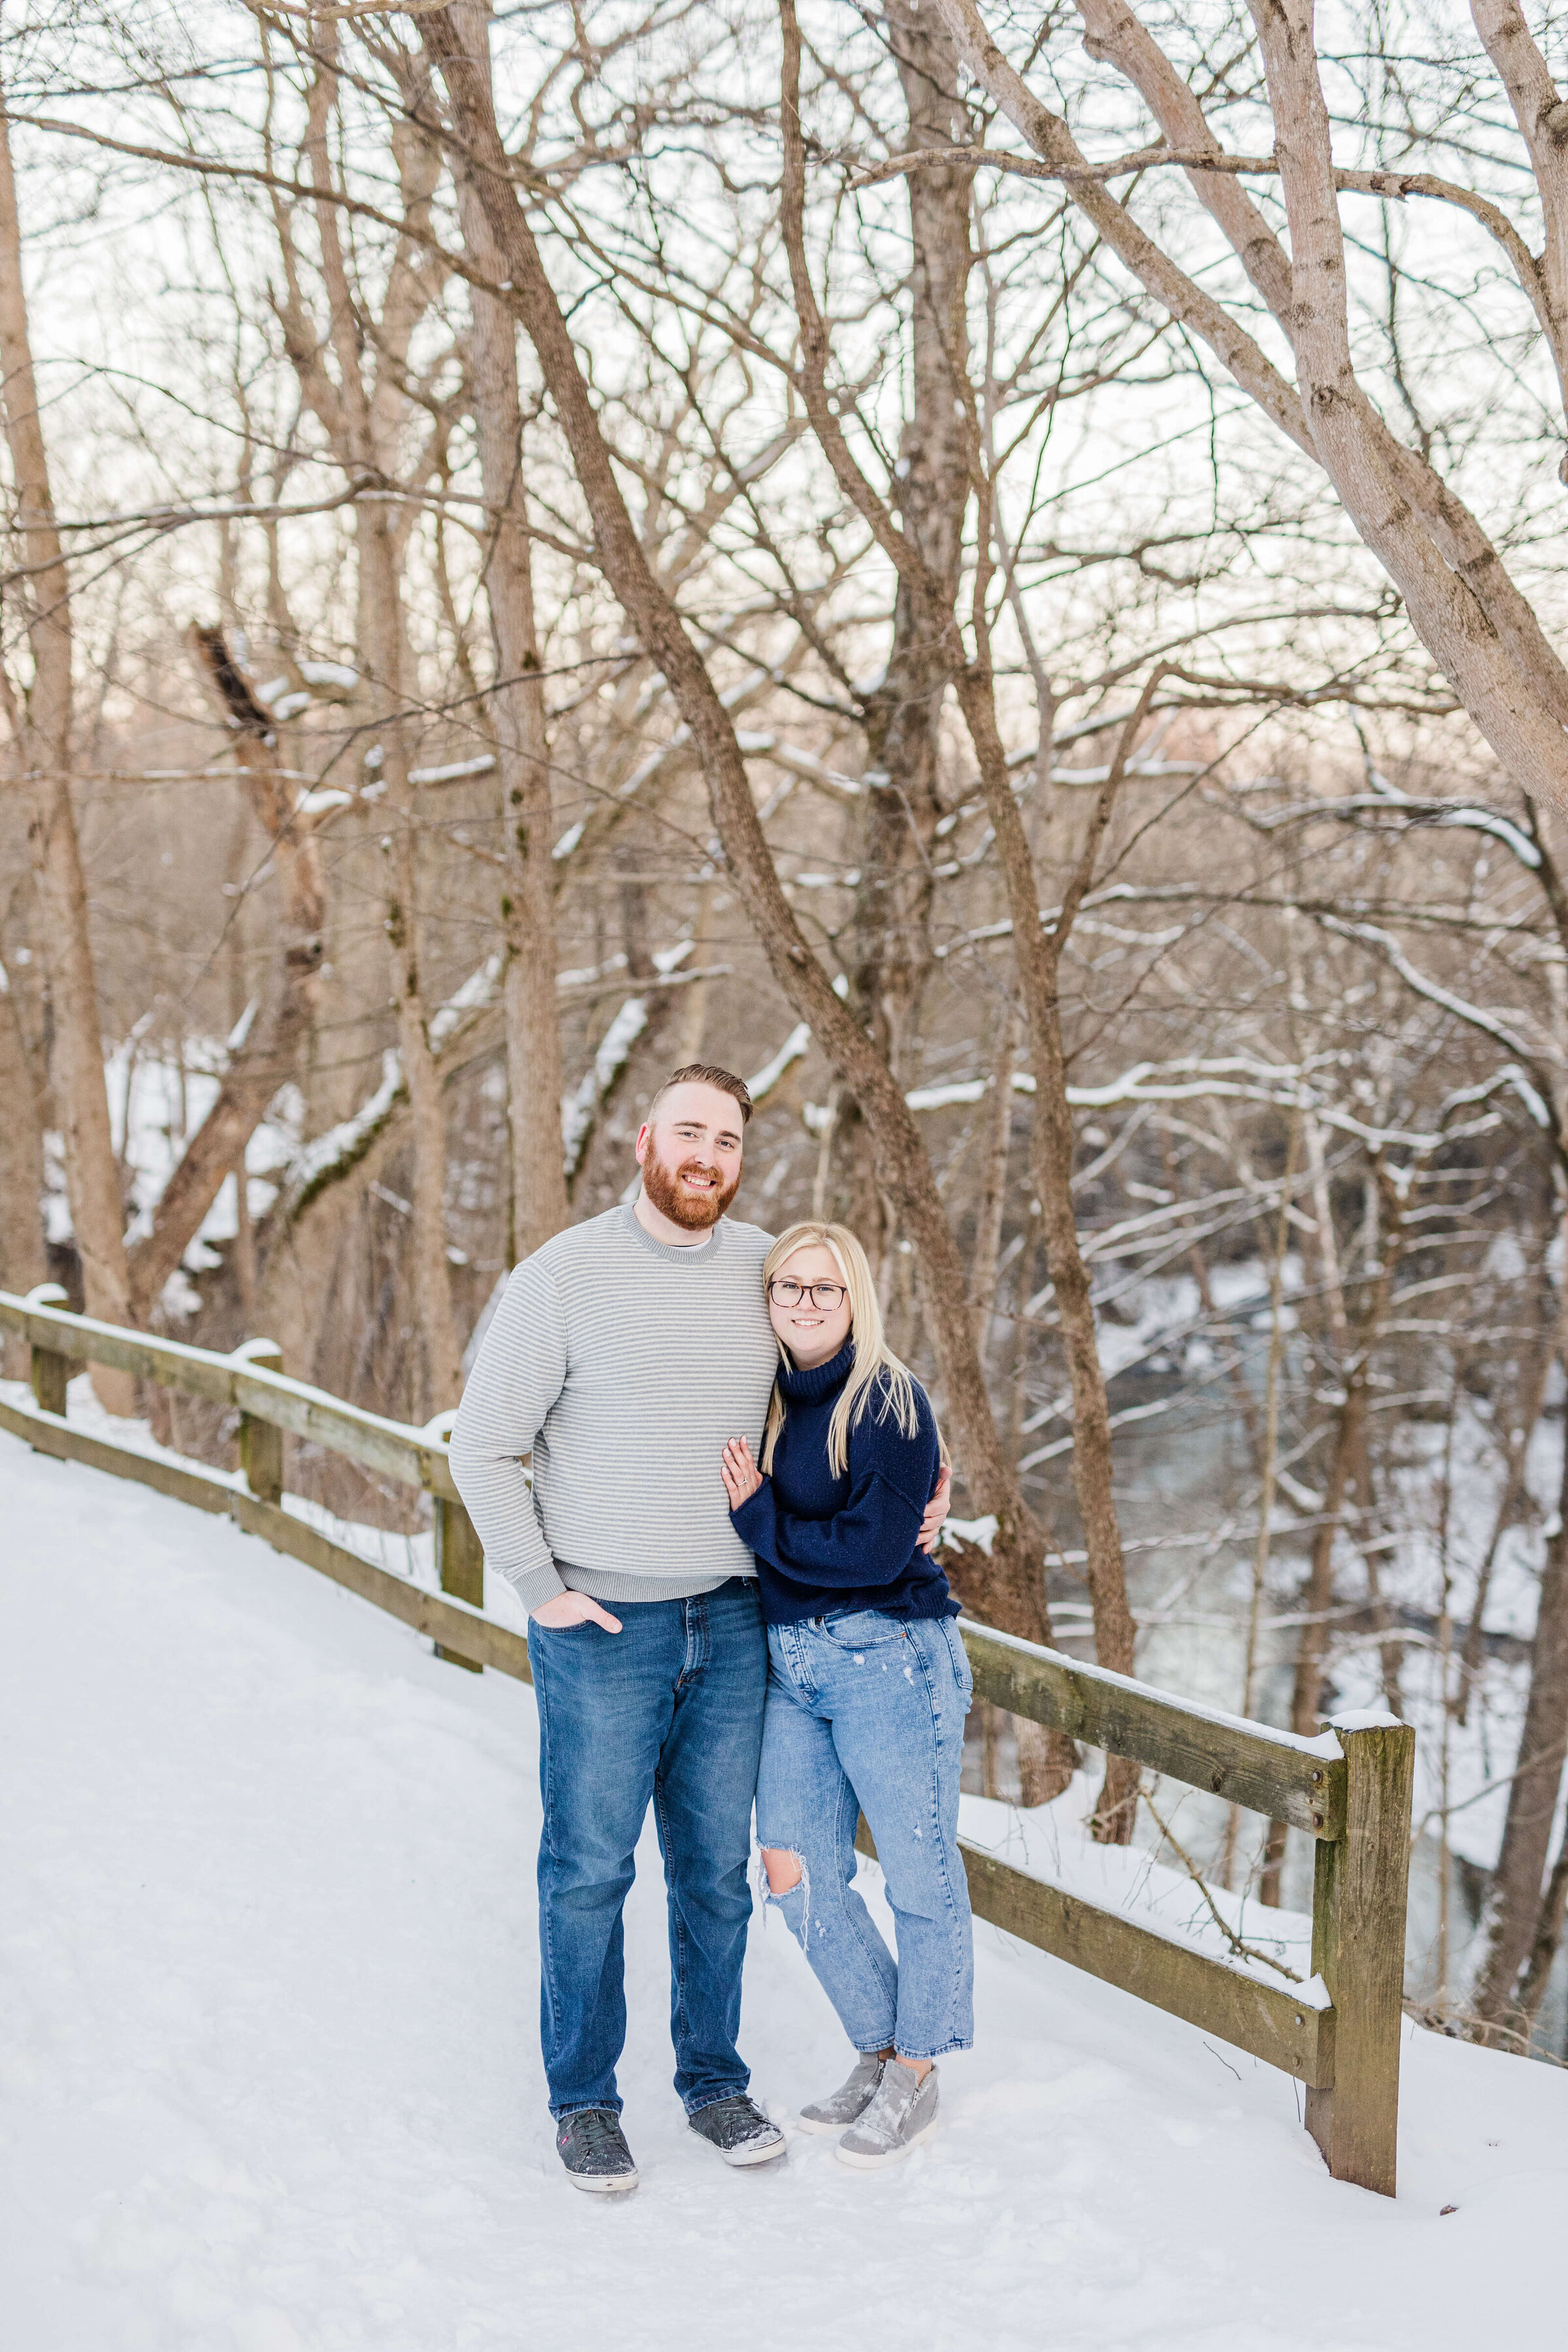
(849, 2102)
(901, 2114)
(592, 2145)
(737, 2128)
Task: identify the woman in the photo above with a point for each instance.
(867, 1689)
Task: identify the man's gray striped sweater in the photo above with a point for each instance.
(623, 1365)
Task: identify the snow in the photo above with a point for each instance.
(580, 1107)
(454, 771)
(267, 1998)
(764, 1080)
(480, 990)
(980, 1531)
(343, 1142)
(157, 1101)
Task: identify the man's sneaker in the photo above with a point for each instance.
(849, 2102)
(901, 2114)
(737, 2128)
(592, 2145)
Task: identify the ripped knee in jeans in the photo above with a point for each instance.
(783, 1868)
(783, 1880)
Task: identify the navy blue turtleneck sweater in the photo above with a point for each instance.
(825, 1544)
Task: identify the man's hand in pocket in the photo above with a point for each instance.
(574, 1609)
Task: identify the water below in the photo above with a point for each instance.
(1178, 1478)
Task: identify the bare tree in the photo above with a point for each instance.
(43, 748)
(271, 1052)
(22, 1260)
(363, 409)
(517, 706)
(903, 1166)
(1478, 626)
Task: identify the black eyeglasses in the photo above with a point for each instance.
(825, 1295)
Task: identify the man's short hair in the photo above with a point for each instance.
(706, 1074)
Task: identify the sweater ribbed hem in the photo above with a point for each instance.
(536, 1586)
(614, 1584)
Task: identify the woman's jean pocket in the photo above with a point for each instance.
(859, 1629)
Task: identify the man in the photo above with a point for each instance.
(624, 1354)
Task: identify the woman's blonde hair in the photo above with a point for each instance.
(872, 1354)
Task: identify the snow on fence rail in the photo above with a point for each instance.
(1348, 1789)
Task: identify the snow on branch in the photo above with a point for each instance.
(803, 765)
(1444, 813)
(330, 1156)
(1239, 1078)
(478, 992)
(793, 1049)
(455, 772)
(580, 1109)
(1491, 1024)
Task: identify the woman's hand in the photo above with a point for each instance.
(741, 1475)
(936, 1511)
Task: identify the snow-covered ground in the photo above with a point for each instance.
(269, 2079)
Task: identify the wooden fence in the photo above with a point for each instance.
(1349, 1791)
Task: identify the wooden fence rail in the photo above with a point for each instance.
(1349, 1790)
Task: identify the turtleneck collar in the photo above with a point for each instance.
(812, 1387)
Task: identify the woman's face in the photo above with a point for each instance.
(812, 1333)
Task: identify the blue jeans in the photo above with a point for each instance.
(866, 1716)
(669, 1709)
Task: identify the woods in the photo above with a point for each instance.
(997, 578)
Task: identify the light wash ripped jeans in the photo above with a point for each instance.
(866, 1715)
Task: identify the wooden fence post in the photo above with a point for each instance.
(1358, 1950)
(261, 1442)
(49, 1373)
(46, 1368)
(460, 1565)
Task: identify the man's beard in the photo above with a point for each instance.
(695, 1211)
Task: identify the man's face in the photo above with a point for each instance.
(689, 1154)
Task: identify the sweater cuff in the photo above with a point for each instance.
(755, 1514)
(534, 1586)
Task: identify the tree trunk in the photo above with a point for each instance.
(1014, 1586)
(1047, 1762)
(1520, 1425)
(244, 1259)
(1548, 1937)
(1039, 954)
(993, 1181)
(516, 703)
(380, 605)
(1468, 614)
(24, 1262)
(1515, 1906)
(270, 1054)
(92, 1178)
(363, 416)
(1306, 1693)
(892, 954)
(1305, 1696)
